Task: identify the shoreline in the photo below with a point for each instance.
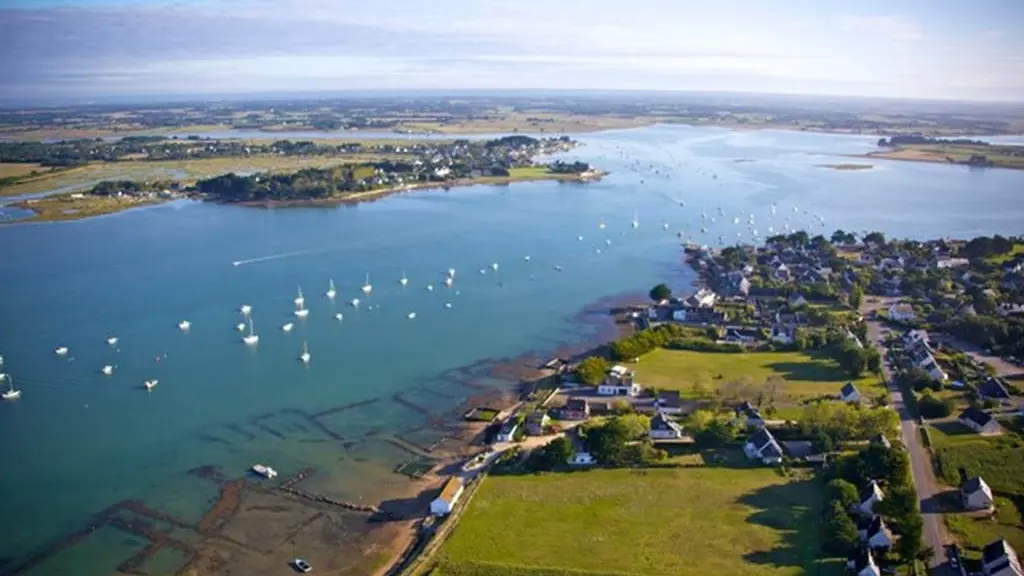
(895, 155)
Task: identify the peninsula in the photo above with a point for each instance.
(962, 151)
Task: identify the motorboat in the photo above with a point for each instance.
(430, 287)
(251, 338)
(184, 325)
(367, 287)
(150, 384)
(412, 315)
(494, 266)
(265, 471)
(447, 282)
(339, 316)
(354, 302)
(451, 272)
(240, 326)
(245, 309)
(447, 304)
(112, 340)
(300, 299)
(61, 351)
(403, 280)
(107, 370)
(301, 311)
(288, 327)
(331, 292)
(304, 357)
(11, 393)
(526, 258)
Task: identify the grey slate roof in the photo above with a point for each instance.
(976, 415)
(848, 389)
(992, 388)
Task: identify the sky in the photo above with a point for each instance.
(932, 49)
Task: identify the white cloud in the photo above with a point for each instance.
(893, 26)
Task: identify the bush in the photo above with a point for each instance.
(701, 345)
(639, 344)
(932, 407)
(840, 531)
(592, 370)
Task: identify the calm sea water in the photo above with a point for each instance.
(78, 441)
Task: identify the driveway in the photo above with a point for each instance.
(920, 460)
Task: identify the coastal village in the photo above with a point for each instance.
(927, 334)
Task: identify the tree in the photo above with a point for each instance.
(909, 544)
(717, 434)
(874, 238)
(856, 296)
(899, 508)
(592, 370)
(841, 491)
(840, 531)
(660, 292)
(556, 453)
(931, 407)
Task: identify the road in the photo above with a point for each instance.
(920, 462)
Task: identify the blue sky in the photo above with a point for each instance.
(56, 49)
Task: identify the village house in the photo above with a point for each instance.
(762, 446)
(783, 334)
(1000, 559)
(662, 428)
(975, 494)
(862, 563)
(619, 382)
(797, 300)
(450, 494)
(901, 312)
(741, 336)
(537, 423)
(849, 393)
(508, 430)
(575, 409)
(980, 421)
(869, 496)
(669, 402)
(748, 416)
(580, 455)
(694, 315)
(703, 298)
(921, 357)
(944, 263)
(874, 533)
(993, 389)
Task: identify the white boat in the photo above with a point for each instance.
(301, 311)
(339, 316)
(451, 272)
(558, 268)
(300, 299)
(579, 238)
(288, 327)
(265, 471)
(331, 292)
(354, 302)
(636, 220)
(107, 370)
(251, 338)
(245, 309)
(447, 282)
(112, 340)
(11, 393)
(150, 384)
(430, 287)
(494, 266)
(526, 258)
(184, 325)
(367, 287)
(304, 357)
(664, 226)
(600, 225)
(447, 304)
(607, 242)
(61, 351)
(412, 315)
(403, 280)
(240, 326)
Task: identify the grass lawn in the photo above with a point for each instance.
(999, 460)
(806, 376)
(657, 521)
(974, 532)
(8, 169)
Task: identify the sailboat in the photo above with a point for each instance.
(412, 315)
(367, 287)
(447, 282)
(636, 220)
(301, 311)
(184, 325)
(339, 316)
(354, 302)
(430, 287)
(451, 272)
(251, 338)
(245, 309)
(112, 340)
(300, 299)
(150, 384)
(526, 258)
(61, 351)
(494, 266)
(403, 280)
(107, 370)
(11, 393)
(331, 292)
(600, 224)
(288, 327)
(240, 326)
(304, 357)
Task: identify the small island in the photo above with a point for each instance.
(963, 151)
(847, 166)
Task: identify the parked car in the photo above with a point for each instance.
(301, 565)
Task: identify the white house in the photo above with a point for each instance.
(980, 421)
(762, 446)
(703, 298)
(849, 393)
(1000, 559)
(915, 338)
(869, 495)
(748, 416)
(662, 428)
(450, 494)
(874, 533)
(618, 382)
(862, 563)
(508, 430)
(901, 312)
(975, 494)
(783, 334)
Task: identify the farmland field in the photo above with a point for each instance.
(806, 376)
(749, 521)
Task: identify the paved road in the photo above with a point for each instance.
(920, 460)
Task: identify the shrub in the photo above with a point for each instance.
(932, 407)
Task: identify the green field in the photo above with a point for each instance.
(680, 521)
(806, 376)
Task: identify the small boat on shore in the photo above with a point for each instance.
(265, 471)
(150, 384)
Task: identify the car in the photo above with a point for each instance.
(301, 565)
(953, 562)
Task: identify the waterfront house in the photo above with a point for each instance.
(993, 389)
(537, 423)
(748, 416)
(980, 421)
(902, 312)
(1000, 559)
(869, 496)
(762, 446)
(862, 563)
(975, 494)
(450, 494)
(874, 533)
(619, 382)
(703, 298)
(508, 430)
(575, 409)
(849, 393)
(662, 428)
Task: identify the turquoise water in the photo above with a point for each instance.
(78, 441)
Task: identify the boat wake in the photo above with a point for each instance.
(237, 263)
